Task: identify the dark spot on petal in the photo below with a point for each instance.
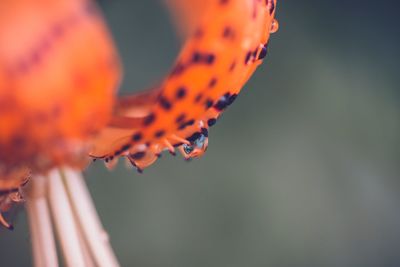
(263, 52)
(232, 66)
(247, 58)
(255, 52)
(210, 58)
(198, 33)
(178, 69)
(209, 103)
(125, 147)
(198, 98)
(196, 57)
(180, 118)
(138, 155)
(204, 131)
(185, 124)
(164, 103)
(159, 133)
(225, 101)
(193, 137)
(227, 32)
(190, 122)
(137, 137)
(149, 119)
(181, 92)
(182, 126)
(211, 122)
(232, 98)
(212, 82)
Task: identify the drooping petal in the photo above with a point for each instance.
(226, 41)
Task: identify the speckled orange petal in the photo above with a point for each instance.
(59, 72)
(227, 44)
(58, 75)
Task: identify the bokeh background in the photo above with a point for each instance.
(303, 170)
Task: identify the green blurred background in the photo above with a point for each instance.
(303, 170)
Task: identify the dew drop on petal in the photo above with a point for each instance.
(274, 26)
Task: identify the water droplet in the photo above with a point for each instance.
(188, 148)
(274, 26)
(199, 143)
(196, 148)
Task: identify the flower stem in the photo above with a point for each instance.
(94, 235)
(61, 198)
(43, 244)
(63, 218)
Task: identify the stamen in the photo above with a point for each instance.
(5, 223)
(170, 147)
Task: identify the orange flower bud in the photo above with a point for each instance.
(58, 74)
